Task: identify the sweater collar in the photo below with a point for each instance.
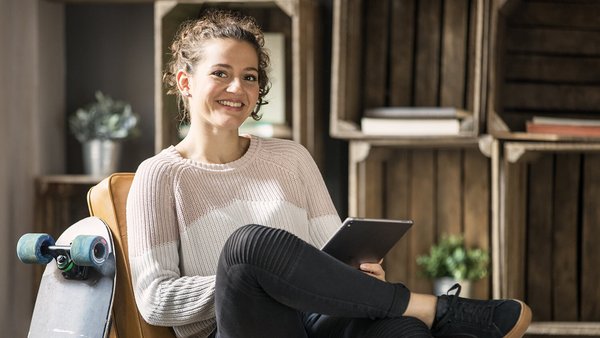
(239, 163)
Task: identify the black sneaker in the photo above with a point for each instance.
(462, 317)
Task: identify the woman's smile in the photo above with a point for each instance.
(232, 104)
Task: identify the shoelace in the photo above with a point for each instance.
(466, 310)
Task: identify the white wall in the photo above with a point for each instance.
(31, 141)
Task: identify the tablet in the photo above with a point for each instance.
(365, 240)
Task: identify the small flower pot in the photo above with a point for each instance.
(101, 157)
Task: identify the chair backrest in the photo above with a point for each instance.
(107, 200)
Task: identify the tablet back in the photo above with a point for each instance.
(365, 240)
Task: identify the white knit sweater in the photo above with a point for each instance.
(180, 213)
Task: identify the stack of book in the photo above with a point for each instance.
(413, 121)
(564, 126)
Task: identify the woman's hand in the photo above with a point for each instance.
(374, 270)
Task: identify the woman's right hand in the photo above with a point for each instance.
(374, 270)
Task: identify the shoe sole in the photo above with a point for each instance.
(522, 324)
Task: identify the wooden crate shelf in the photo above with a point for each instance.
(444, 189)
(545, 61)
(544, 225)
(406, 53)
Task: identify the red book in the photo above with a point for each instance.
(564, 129)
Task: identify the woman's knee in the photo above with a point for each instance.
(260, 246)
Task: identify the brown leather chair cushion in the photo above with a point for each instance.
(107, 201)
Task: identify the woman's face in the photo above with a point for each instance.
(224, 87)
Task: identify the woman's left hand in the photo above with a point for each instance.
(374, 270)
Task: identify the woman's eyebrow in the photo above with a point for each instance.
(224, 65)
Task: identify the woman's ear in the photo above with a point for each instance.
(183, 82)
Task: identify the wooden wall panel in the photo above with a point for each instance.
(376, 52)
(448, 210)
(353, 101)
(454, 53)
(515, 185)
(402, 35)
(476, 210)
(552, 69)
(371, 187)
(427, 67)
(565, 237)
(422, 199)
(590, 250)
(552, 41)
(570, 14)
(539, 231)
(551, 97)
(398, 261)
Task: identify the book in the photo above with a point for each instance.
(416, 113)
(564, 121)
(563, 129)
(563, 126)
(410, 127)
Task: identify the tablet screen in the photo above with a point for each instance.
(365, 240)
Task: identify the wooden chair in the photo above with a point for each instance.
(107, 200)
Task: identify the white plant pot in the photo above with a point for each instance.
(101, 157)
(442, 285)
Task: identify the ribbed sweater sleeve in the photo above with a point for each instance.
(163, 296)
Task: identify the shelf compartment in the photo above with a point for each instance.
(443, 188)
(406, 53)
(545, 222)
(544, 61)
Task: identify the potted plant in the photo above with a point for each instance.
(450, 261)
(100, 126)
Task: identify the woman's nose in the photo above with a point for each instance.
(235, 85)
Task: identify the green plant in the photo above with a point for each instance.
(104, 119)
(451, 258)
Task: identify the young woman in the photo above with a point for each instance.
(224, 228)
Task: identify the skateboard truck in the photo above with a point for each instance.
(66, 265)
(72, 260)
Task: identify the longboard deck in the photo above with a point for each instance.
(76, 308)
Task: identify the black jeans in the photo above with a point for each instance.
(272, 284)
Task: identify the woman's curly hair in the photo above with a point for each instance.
(187, 47)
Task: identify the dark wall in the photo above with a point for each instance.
(110, 47)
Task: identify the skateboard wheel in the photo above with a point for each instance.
(31, 248)
(89, 250)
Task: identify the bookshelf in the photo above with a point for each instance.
(535, 193)
(543, 62)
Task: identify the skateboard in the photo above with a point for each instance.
(76, 291)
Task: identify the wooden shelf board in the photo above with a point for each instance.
(523, 136)
(565, 328)
(69, 179)
(424, 140)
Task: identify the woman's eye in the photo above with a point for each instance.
(251, 78)
(219, 73)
